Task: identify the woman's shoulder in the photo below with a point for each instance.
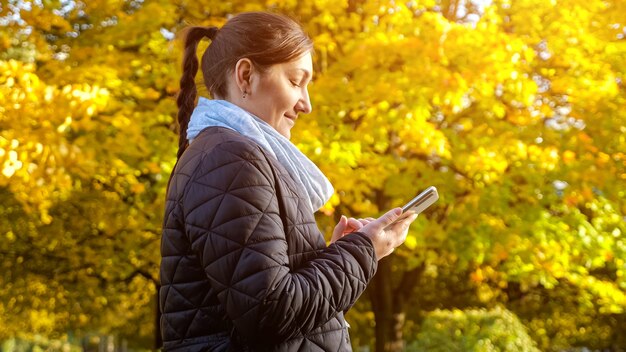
(217, 143)
(220, 146)
(221, 137)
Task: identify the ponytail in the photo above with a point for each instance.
(186, 99)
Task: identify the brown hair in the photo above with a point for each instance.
(264, 38)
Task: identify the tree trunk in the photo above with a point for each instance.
(389, 298)
(158, 342)
(388, 310)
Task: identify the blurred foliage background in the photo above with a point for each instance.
(514, 110)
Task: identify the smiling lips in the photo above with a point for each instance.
(292, 118)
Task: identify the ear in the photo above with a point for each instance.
(243, 74)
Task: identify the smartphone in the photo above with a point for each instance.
(422, 201)
(418, 204)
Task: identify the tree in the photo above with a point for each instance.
(86, 149)
(503, 126)
(512, 110)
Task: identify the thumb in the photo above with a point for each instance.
(389, 217)
(339, 229)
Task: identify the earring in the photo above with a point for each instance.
(245, 94)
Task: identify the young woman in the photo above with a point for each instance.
(244, 266)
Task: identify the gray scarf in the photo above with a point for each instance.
(221, 113)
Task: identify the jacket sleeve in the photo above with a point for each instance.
(234, 226)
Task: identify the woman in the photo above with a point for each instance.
(244, 266)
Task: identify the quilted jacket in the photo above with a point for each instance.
(244, 266)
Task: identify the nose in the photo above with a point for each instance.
(304, 103)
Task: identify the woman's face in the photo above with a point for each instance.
(279, 94)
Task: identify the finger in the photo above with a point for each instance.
(409, 219)
(403, 222)
(389, 217)
(354, 224)
(407, 216)
(339, 228)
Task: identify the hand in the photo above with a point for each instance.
(348, 225)
(388, 231)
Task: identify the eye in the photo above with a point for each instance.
(295, 84)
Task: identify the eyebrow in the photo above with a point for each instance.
(306, 72)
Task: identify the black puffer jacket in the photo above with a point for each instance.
(244, 266)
